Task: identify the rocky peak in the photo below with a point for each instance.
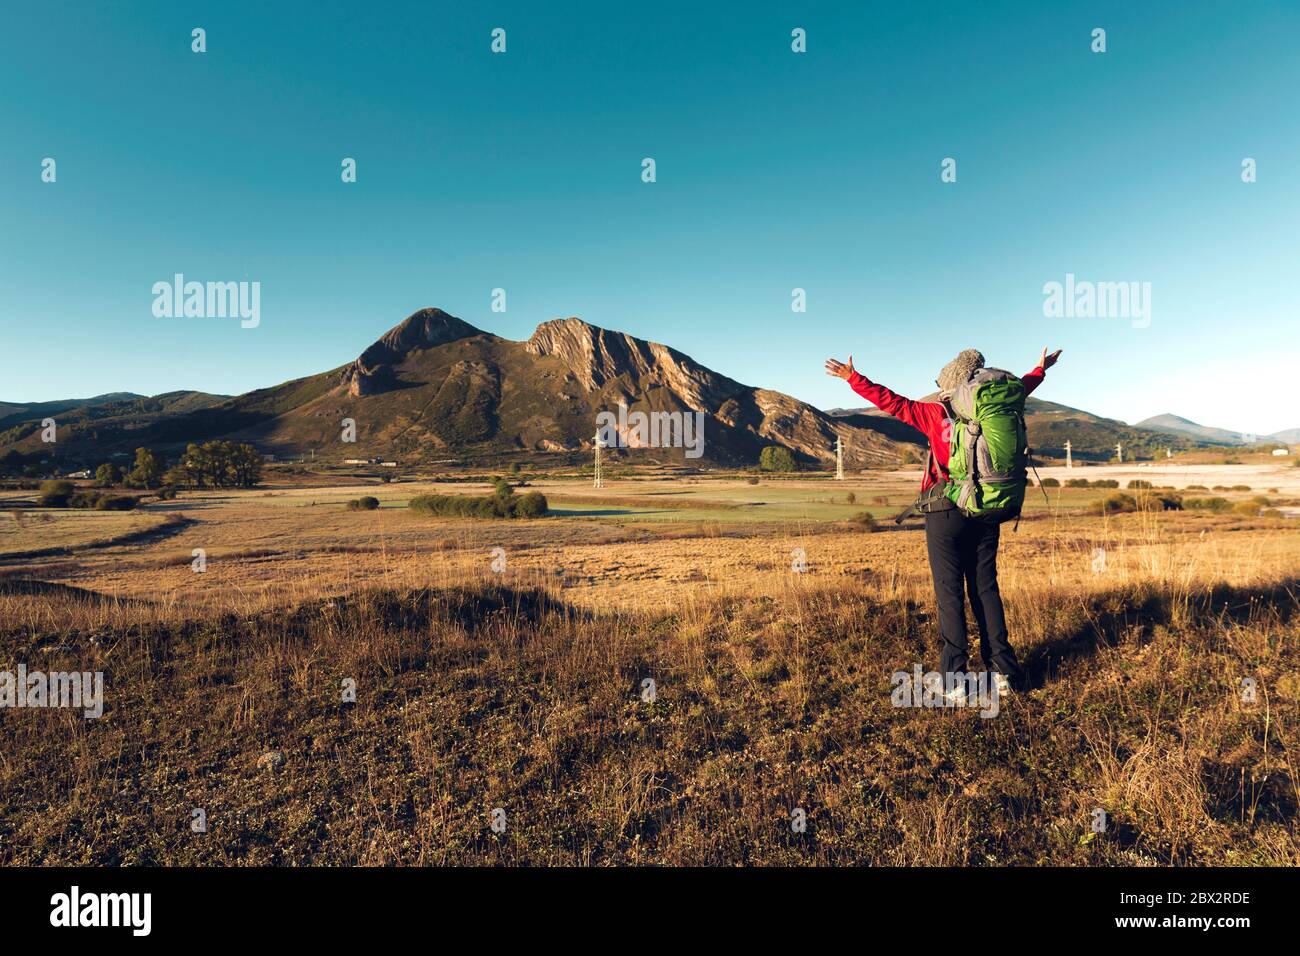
(596, 356)
(425, 329)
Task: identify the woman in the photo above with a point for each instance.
(963, 551)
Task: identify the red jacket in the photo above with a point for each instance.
(929, 418)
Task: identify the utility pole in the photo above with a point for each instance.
(1069, 461)
(598, 480)
(1119, 450)
(839, 458)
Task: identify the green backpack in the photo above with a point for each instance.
(989, 450)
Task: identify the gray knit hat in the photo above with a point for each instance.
(959, 371)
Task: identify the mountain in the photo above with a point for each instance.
(1051, 425)
(1173, 424)
(435, 387)
(14, 412)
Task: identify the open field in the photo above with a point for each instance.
(500, 664)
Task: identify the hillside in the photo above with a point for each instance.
(435, 387)
(1050, 426)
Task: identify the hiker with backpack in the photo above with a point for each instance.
(975, 479)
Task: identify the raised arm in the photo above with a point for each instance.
(1035, 378)
(925, 417)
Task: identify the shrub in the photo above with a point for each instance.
(116, 503)
(1049, 483)
(107, 475)
(1139, 483)
(532, 505)
(776, 458)
(1216, 505)
(1105, 483)
(366, 503)
(866, 520)
(1160, 501)
(851, 498)
(752, 480)
(84, 499)
(1196, 488)
(1076, 483)
(1248, 509)
(55, 494)
(1241, 487)
(166, 493)
(1115, 504)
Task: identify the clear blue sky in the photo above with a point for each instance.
(775, 170)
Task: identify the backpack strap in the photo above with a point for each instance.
(970, 485)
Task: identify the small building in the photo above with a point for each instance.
(84, 473)
(1279, 452)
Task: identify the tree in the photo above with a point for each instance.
(244, 465)
(178, 476)
(776, 458)
(55, 494)
(148, 470)
(107, 475)
(223, 464)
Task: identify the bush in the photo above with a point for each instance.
(1216, 505)
(851, 498)
(1115, 504)
(166, 493)
(1160, 501)
(116, 503)
(1196, 488)
(366, 503)
(107, 475)
(1248, 509)
(1049, 483)
(1105, 483)
(1139, 483)
(532, 505)
(1240, 488)
(866, 520)
(1076, 483)
(752, 480)
(55, 494)
(776, 458)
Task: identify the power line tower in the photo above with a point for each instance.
(1069, 461)
(1119, 450)
(839, 458)
(598, 479)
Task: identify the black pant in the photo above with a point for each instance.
(964, 557)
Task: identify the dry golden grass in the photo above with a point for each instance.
(522, 689)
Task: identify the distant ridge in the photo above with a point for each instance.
(435, 387)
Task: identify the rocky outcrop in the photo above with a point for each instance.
(614, 361)
(372, 372)
(597, 356)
